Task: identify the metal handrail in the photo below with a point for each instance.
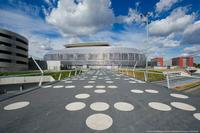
(42, 72)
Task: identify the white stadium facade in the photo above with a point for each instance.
(94, 55)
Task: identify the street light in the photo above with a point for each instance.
(146, 21)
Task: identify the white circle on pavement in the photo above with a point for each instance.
(133, 82)
(58, 86)
(183, 106)
(67, 82)
(109, 82)
(197, 116)
(75, 106)
(159, 106)
(47, 86)
(16, 105)
(99, 91)
(100, 86)
(82, 96)
(99, 121)
(70, 86)
(137, 91)
(123, 106)
(112, 86)
(99, 106)
(88, 86)
(151, 91)
(179, 95)
(91, 81)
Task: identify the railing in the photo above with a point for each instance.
(167, 79)
(19, 81)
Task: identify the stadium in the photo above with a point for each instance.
(95, 54)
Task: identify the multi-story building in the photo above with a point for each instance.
(158, 61)
(97, 54)
(13, 51)
(183, 61)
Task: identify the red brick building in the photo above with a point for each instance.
(183, 61)
(158, 61)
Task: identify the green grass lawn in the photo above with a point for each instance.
(55, 75)
(153, 75)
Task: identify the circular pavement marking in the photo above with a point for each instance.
(100, 86)
(123, 106)
(151, 91)
(133, 82)
(82, 96)
(70, 86)
(47, 86)
(197, 116)
(137, 91)
(183, 106)
(99, 106)
(109, 82)
(179, 95)
(91, 82)
(67, 82)
(58, 86)
(75, 106)
(99, 121)
(112, 86)
(99, 91)
(159, 106)
(88, 86)
(16, 105)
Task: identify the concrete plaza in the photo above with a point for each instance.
(100, 101)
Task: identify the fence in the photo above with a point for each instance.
(19, 81)
(170, 80)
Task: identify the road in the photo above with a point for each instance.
(100, 101)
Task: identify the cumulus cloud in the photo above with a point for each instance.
(191, 34)
(193, 50)
(82, 17)
(133, 16)
(177, 21)
(164, 5)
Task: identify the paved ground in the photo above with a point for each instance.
(49, 109)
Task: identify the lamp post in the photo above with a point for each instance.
(146, 17)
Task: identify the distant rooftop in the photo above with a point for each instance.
(87, 44)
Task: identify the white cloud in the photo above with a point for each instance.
(191, 34)
(133, 16)
(193, 50)
(82, 18)
(164, 5)
(25, 24)
(177, 21)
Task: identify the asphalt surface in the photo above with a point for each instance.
(46, 112)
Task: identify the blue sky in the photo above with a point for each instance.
(174, 25)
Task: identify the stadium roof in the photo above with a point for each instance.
(87, 44)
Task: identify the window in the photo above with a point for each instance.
(5, 52)
(21, 62)
(21, 55)
(5, 44)
(21, 48)
(5, 60)
(22, 41)
(4, 35)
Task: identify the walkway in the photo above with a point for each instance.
(103, 101)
